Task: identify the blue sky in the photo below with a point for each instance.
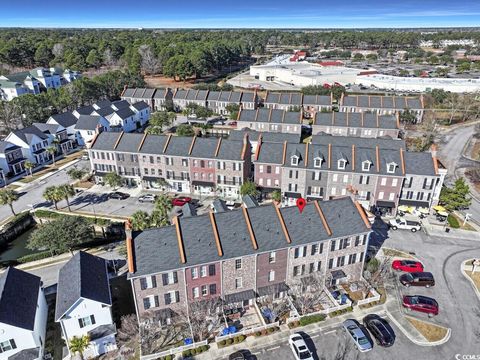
(240, 13)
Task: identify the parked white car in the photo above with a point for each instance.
(401, 223)
(147, 198)
(299, 347)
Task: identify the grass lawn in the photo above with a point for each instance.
(396, 253)
(430, 331)
(475, 277)
(460, 221)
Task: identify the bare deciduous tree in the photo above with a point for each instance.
(108, 58)
(308, 293)
(204, 318)
(150, 64)
(58, 50)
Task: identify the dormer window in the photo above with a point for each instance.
(317, 162)
(391, 167)
(366, 165)
(342, 163)
(295, 160)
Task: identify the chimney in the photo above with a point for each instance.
(129, 240)
(433, 150)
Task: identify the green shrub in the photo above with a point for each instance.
(270, 330)
(205, 347)
(235, 340)
(350, 309)
(222, 342)
(453, 221)
(258, 333)
(168, 357)
(310, 319)
(186, 353)
(34, 257)
(242, 338)
(229, 341)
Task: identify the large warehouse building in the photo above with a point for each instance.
(303, 73)
(397, 83)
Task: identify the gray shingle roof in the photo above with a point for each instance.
(419, 163)
(103, 104)
(248, 97)
(141, 105)
(106, 140)
(160, 93)
(351, 119)
(156, 250)
(83, 276)
(18, 298)
(86, 110)
(120, 104)
(270, 115)
(267, 136)
(383, 102)
(27, 134)
(51, 129)
(124, 113)
(153, 144)
(317, 100)
(65, 119)
(129, 142)
(361, 142)
(26, 354)
(249, 201)
(270, 153)
(87, 122)
(291, 98)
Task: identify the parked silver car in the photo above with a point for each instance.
(147, 198)
(359, 337)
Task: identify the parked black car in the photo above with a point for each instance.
(380, 329)
(118, 195)
(417, 279)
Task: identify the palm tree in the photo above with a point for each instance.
(65, 191)
(277, 196)
(51, 193)
(29, 166)
(163, 205)
(248, 188)
(52, 150)
(140, 220)
(8, 197)
(79, 344)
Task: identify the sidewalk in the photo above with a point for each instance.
(435, 230)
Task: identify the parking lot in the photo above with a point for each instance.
(332, 344)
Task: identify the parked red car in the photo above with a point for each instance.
(407, 266)
(181, 200)
(421, 303)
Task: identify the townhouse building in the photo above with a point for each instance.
(240, 255)
(371, 125)
(12, 160)
(183, 97)
(382, 104)
(378, 173)
(33, 143)
(284, 101)
(218, 101)
(84, 301)
(68, 121)
(133, 95)
(162, 100)
(58, 135)
(23, 316)
(316, 103)
(34, 81)
(249, 100)
(202, 166)
(270, 120)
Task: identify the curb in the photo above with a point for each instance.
(477, 292)
(416, 342)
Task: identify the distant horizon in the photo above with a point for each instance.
(248, 14)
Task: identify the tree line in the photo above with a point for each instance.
(185, 53)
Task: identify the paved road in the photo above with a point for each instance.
(32, 194)
(459, 307)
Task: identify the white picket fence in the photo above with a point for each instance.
(173, 351)
(375, 297)
(246, 331)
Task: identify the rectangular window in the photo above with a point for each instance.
(271, 257)
(204, 290)
(345, 178)
(314, 249)
(330, 263)
(194, 273)
(203, 271)
(391, 197)
(383, 182)
(86, 321)
(341, 261)
(332, 245)
(380, 195)
(238, 283)
(238, 264)
(213, 289)
(364, 239)
(361, 257)
(7, 345)
(277, 170)
(311, 268)
(260, 168)
(271, 275)
(195, 292)
(211, 270)
(394, 182)
(296, 270)
(335, 177)
(184, 162)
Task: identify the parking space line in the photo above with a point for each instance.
(330, 332)
(273, 348)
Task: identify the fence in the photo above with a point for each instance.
(247, 331)
(320, 312)
(173, 351)
(375, 297)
